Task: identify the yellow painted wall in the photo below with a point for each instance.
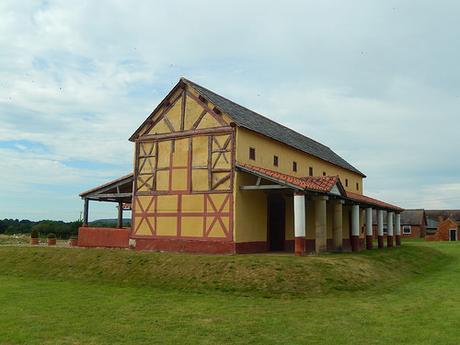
(289, 221)
(346, 211)
(191, 200)
(266, 148)
(250, 212)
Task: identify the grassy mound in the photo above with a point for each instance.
(266, 275)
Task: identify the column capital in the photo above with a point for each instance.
(321, 197)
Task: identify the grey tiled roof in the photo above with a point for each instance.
(413, 217)
(436, 214)
(253, 121)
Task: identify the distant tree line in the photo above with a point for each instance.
(62, 229)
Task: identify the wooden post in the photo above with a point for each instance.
(120, 215)
(85, 212)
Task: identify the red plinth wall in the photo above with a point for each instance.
(369, 243)
(299, 245)
(103, 237)
(355, 243)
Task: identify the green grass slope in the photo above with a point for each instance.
(52, 296)
(267, 275)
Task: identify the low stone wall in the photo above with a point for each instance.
(103, 237)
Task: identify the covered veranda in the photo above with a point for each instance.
(118, 191)
(323, 193)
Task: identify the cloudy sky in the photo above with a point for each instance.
(377, 81)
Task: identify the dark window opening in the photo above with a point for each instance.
(407, 230)
(310, 171)
(252, 153)
(202, 99)
(346, 182)
(324, 173)
(357, 186)
(294, 166)
(275, 161)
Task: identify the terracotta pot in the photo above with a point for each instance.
(51, 241)
(34, 240)
(73, 242)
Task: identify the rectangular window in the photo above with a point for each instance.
(252, 153)
(324, 173)
(385, 229)
(294, 166)
(275, 161)
(346, 182)
(310, 171)
(407, 230)
(357, 186)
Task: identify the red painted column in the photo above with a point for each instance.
(389, 241)
(354, 228)
(369, 230)
(380, 228)
(299, 224)
(299, 245)
(389, 229)
(398, 229)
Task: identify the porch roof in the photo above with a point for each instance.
(321, 184)
(120, 189)
(318, 184)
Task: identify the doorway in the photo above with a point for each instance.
(452, 235)
(276, 222)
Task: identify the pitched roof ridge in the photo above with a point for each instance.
(257, 123)
(252, 111)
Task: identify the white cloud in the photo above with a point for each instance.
(375, 81)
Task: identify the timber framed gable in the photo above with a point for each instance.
(184, 170)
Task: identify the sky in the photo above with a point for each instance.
(377, 81)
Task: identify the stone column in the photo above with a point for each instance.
(389, 229)
(354, 228)
(380, 228)
(299, 223)
(398, 229)
(337, 226)
(369, 232)
(320, 224)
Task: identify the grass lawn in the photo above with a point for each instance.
(409, 295)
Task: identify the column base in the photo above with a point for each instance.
(299, 246)
(354, 243)
(369, 243)
(398, 240)
(389, 241)
(380, 241)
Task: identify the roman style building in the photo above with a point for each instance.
(210, 175)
